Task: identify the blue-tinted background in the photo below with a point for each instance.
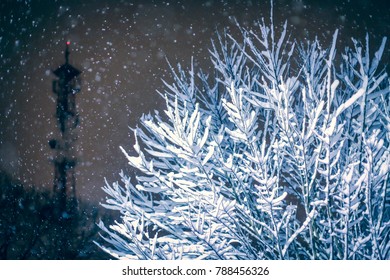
(121, 47)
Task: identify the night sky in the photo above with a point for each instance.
(122, 47)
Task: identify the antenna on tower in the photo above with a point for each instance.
(67, 52)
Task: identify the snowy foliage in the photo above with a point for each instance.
(284, 155)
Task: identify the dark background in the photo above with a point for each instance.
(121, 47)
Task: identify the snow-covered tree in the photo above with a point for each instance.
(282, 154)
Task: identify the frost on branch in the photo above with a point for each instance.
(284, 156)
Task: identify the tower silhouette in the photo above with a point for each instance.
(66, 87)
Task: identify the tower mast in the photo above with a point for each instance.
(66, 86)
